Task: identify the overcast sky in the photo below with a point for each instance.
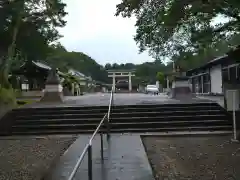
(93, 29)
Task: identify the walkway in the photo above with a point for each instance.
(124, 159)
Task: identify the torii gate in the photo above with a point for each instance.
(121, 73)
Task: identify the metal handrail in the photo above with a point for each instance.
(88, 147)
(109, 112)
(97, 129)
(110, 103)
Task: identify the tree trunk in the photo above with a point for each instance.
(4, 67)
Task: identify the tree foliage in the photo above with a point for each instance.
(28, 26)
(170, 28)
(81, 62)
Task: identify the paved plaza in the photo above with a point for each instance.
(102, 99)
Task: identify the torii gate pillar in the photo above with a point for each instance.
(114, 82)
(130, 82)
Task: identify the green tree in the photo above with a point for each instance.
(108, 66)
(168, 28)
(81, 62)
(160, 77)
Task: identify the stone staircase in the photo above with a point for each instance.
(124, 119)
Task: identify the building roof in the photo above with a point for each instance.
(216, 61)
(42, 65)
(81, 75)
(38, 64)
(77, 73)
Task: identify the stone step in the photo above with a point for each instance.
(169, 118)
(125, 130)
(113, 110)
(166, 108)
(125, 119)
(117, 125)
(117, 108)
(132, 118)
(120, 114)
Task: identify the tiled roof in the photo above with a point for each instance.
(77, 73)
(42, 65)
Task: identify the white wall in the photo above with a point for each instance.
(180, 84)
(216, 79)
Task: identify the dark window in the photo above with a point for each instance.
(206, 78)
(232, 74)
(238, 72)
(225, 75)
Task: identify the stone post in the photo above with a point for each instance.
(167, 82)
(181, 89)
(202, 83)
(130, 82)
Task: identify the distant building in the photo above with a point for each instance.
(82, 77)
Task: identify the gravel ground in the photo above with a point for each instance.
(193, 158)
(30, 158)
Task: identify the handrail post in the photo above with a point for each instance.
(109, 116)
(90, 162)
(106, 122)
(101, 135)
(112, 99)
(108, 127)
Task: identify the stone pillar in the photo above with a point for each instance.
(167, 83)
(73, 88)
(114, 82)
(130, 82)
(181, 89)
(202, 82)
(53, 91)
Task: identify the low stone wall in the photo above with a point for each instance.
(237, 113)
(4, 109)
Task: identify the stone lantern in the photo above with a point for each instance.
(53, 91)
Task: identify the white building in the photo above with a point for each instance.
(217, 75)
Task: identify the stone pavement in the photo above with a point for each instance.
(124, 159)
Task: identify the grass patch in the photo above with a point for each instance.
(25, 102)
